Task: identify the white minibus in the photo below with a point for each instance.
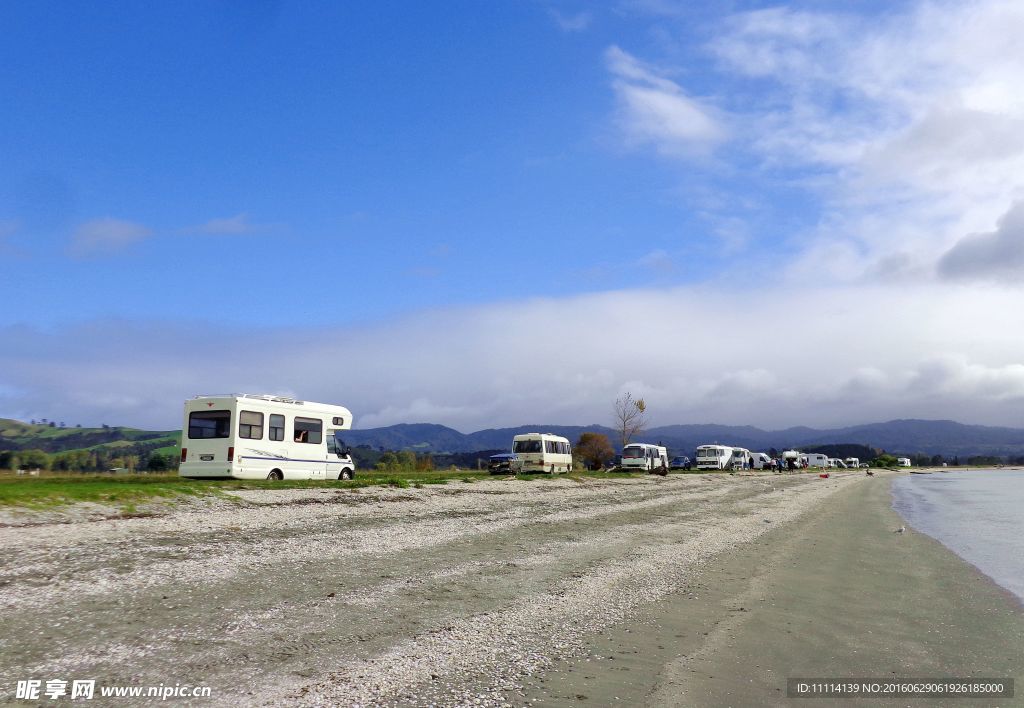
(645, 457)
(721, 457)
(250, 436)
(541, 452)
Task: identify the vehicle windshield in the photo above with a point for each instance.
(526, 446)
(632, 451)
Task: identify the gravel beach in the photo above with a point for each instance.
(499, 592)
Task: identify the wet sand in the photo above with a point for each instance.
(835, 594)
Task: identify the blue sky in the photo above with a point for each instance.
(352, 202)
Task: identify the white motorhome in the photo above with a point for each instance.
(816, 459)
(541, 452)
(903, 461)
(644, 457)
(250, 436)
(713, 457)
(853, 462)
(836, 463)
(721, 457)
(761, 460)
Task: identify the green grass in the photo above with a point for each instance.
(56, 490)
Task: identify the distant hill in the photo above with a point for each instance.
(931, 437)
(16, 435)
(911, 437)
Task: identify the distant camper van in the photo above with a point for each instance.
(541, 452)
(644, 457)
(249, 436)
(903, 461)
(761, 460)
(816, 459)
(721, 457)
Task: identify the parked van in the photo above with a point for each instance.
(249, 436)
(722, 457)
(761, 461)
(541, 452)
(644, 457)
(853, 462)
(816, 459)
(903, 461)
(836, 463)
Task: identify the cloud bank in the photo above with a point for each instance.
(770, 357)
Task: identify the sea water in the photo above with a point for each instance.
(978, 514)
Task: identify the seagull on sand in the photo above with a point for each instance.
(901, 529)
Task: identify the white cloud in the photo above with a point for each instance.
(571, 23)
(232, 225)
(769, 356)
(102, 237)
(655, 111)
(909, 125)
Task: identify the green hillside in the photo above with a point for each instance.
(53, 447)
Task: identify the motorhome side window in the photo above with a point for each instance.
(276, 427)
(250, 425)
(309, 430)
(338, 420)
(209, 424)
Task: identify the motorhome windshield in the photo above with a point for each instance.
(209, 424)
(709, 452)
(526, 446)
(633, 451)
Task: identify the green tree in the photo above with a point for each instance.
(33, 459)
(594, 450)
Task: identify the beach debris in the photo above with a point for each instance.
(823, 475)
(870, 473)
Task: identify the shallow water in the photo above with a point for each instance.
(978, 514)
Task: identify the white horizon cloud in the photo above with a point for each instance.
(768, 356)
(105, 237)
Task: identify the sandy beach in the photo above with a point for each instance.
(700, 590)
(836, 594)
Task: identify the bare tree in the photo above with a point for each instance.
(630, 417)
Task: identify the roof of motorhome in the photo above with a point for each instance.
(269, 398)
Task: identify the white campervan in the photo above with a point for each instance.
(251, 436)
(853, 462)
(541, 452)
(644, 457)
(761, 460)
(721, 457)
(816, 459)
(835, 462)
(903, 462)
